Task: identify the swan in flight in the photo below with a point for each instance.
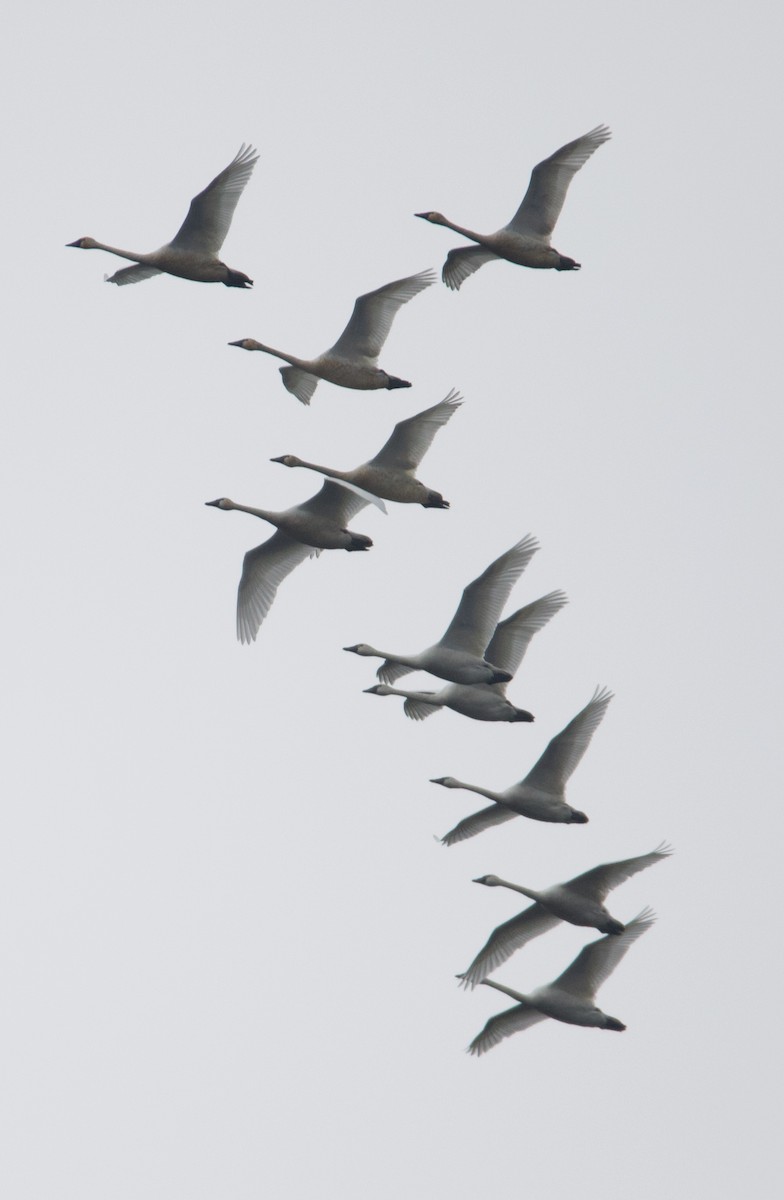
(580, 902)
(353, 361)
(460, 654)
(193, 251)
(542, 794)
(302, 532)
(486, 701)
(526, 239)
(390, 475)
(571, 997)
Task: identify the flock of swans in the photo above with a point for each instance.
(480, 652)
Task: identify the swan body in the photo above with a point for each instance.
(193, 251)
(580, 902)
(353, 361)
(485, 701)
(390, 475)
(541, 795)
(460, 654)
(569, 998)
(526, 239)
(302, 532)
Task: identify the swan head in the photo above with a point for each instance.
(578, 818)
(221, 502)
(488, 880)
(288, 460)
(446, 781)
(363, 649)
(436, 218)
(247, 344)
(380, 689)
(85, 243)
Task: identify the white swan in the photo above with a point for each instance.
(193, 251)
(526, 239)
(580, 902)
(302, 532)
(542, 794)
(460, 654)
(390, 475)
(353, 361)
(570, 997)
(486, 701)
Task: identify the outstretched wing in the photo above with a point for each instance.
(373, 314)
(300, 383)
(209, 216)
(550, 179)
(565, 750)
(512, 637)
(334, 503)
(483, 600)
(507, 938)
(132, 275)
(512, 1020)
(597, 961)
(389, 671)
(463, 262)
(420, 710)
(601, 880)
(411, 439)
(477, 822)
(263, 570)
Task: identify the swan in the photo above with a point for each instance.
(485, 701)
(580, 902)
(193, 251)
(302, 532)
(542, 794)
(353, 361)
(570, 997)
(459, 655)
(390, 474)
(526, 239)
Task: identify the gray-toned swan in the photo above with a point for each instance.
(460, 654)
(485, 701)
(390, 474)
(193, 251)
(542, 794)
(353, 361)
(569, 998)
(580, 902)
(302, 532)
(526, 239)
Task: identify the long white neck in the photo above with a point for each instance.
(481, 238)
(501, 987)
(264, 513)
(289, 358)
(518, 887)
(138, 258)
(480, 791)
(425, 697)
(330, 472)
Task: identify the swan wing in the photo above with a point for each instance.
(477, 822)
(550, 179)
(601, 880)
(132, 275)
(597, 961)
(411, 439)
(263, 570)
(507, 938)
(462, 263)
(390, 671)
(300, 383)
(418, 709)
(334, 503)
(209, 216)
(512, 636)
(512, 1020)
(373, 314)
(565, 750)
(483, 600)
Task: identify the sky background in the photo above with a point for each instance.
(228, 937)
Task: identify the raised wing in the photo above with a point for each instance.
(601, 880)
(263, 570)
(373, 314)
(462, 263)
(335, 503)
(209, 216)
(389, 671)
(597, 961)
(507, 938)
(512, 637)
(512, 1020)
(411, 439)
(477, 822)
(550, 179)
(419, 710)
(565, 750)
(132, 275)
(300, 383)
(483, 600)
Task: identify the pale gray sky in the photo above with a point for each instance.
(229, 939)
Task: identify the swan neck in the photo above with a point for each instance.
(501, 987)
(137, 258)
(289, 358)
(518, 887)
(264, 513)
(480, 791)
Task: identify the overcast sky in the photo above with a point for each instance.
(229, 939)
